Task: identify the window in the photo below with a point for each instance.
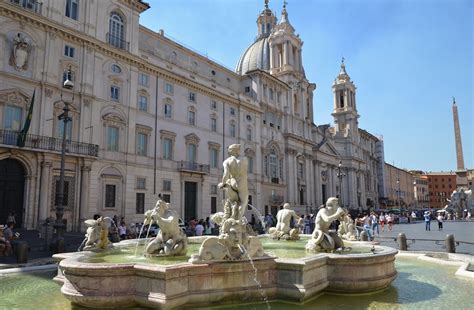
(192, 97)
(116, 69)
(249, 133)
(271, 94)
(278, 97)
(167, 149)
(213, 205)
(232, 130)
(191, 152)
(141, 183)
(213, 104)
(112, 139)
(72, 8)
(60, 130)
(167, 185)
(301, 170)
(69, 51)
(213, 124)
(68, 75)
(248, 117)
(247, 89)
(249, 164)
(140, 207)
(143, 79)
(13, 118)
(116, 31)
(166, 198)
(169, 88)
(214, 157)
(264, 91)
(142, 141)
(273, 164)
(110, 196)
(213, 189)
(232, 111)
(115, 93)
(143, 103)
(191, 117)
(168, 110)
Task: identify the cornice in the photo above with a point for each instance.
(10, 10)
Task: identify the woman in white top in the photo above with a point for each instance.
(389, 219)
(382, 221)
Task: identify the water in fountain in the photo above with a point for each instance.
(255, 278)
(138, 239)
(260, 217)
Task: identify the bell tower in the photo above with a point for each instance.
(345, 107)
(265, 22)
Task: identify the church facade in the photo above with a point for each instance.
(149, 117)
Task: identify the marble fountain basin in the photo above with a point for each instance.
(89, 279)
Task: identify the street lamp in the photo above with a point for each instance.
(340, 174)
(59, 225)
(398, 194)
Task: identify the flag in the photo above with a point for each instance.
(22, 135)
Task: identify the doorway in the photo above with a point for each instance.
(12, 186)
(190, 199)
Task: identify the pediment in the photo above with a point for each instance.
(15, 96)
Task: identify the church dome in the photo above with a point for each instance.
(256, 56)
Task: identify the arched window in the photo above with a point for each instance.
(116, 33)
(273, 164)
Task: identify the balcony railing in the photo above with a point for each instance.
(193, 167)
(31, 5)
(8, 137)
(117, 42)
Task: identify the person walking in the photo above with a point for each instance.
(389, 219)
(382, 221)
(367, 225)
(427, 217)
(375, 222)
(440, 219)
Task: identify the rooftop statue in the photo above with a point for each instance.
(233, 242)
(170, 240)
(322, 239)
(283, 229)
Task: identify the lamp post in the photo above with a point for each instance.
(340, 174)
(65, 118)
(398, 194)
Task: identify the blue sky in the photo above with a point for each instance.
(406, 57)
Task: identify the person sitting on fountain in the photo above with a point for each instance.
(170, 240)
(322, 239)
(283, 229)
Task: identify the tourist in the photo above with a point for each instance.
(440, 219)
(300, 223)
(122, 229)
(11, 218)
(389, 219)
(468, 217)
(427, 217)
(209, 226)
(367, 222)
(10, 237)
(253, 222)
(199, 229)
(382, 221)
(5, 246)
(375, 222)
(268, 222)
(307, 225)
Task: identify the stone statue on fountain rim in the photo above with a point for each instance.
(170, 240)
(283, 229)
(322, 238)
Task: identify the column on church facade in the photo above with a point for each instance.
(317, 183)
(44, 191)
(285, 53)
(310, 182)
(290, 54)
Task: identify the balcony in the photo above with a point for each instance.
(8, 137)
(117, 42)
(31, 5)
(186, 166)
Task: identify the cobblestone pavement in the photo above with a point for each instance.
(462, 231)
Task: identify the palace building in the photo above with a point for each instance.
(149, 116)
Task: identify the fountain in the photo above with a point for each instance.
(230, 268)
(283, 230)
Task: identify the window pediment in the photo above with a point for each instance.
(214, 145)
(14, 96)
(114, 118)
(167, 134)
(192, 138)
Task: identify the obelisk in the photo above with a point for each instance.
(461, 173)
